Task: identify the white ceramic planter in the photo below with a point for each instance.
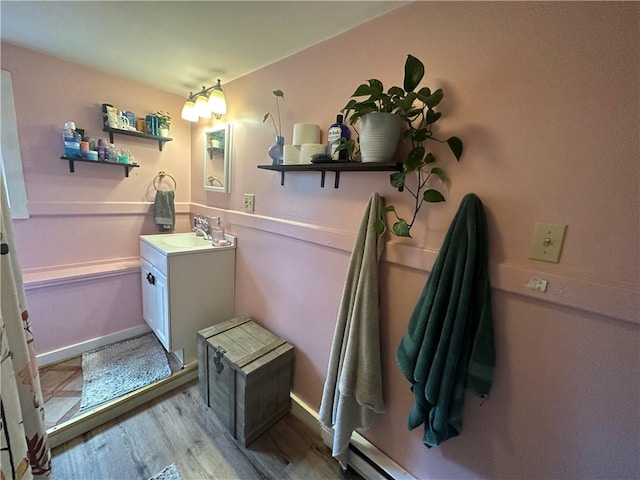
(379, 136)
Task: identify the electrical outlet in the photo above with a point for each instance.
(538, 284)
(547, 242)
(249, 200)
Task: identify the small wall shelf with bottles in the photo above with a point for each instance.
(335, 167)
(126, 166)
(134, 133)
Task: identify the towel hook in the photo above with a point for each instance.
(160, 176)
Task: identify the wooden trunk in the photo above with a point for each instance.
(245, 376)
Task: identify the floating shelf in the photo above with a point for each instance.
(335, 167)
(126, 166)
(213, 150)
(134, 133)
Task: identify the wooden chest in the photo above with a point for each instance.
(245, 376)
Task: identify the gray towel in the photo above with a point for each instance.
(352, 395)
(164, 213)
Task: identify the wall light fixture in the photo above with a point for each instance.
(204, 103)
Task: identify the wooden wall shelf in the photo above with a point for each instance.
(126, 166)
(134, 133)
(335, 167)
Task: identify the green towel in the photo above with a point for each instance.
(449, 345)
(164, 213)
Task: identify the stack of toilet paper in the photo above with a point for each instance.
(306, 142)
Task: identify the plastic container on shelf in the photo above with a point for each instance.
(71, 141)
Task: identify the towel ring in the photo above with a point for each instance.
(160, 176)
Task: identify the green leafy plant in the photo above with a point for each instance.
(164, 119)
(417, 107)
(278, 128)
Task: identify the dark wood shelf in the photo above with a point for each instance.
(335, 167)
(126, 166)
(213, 150)
(134, 133)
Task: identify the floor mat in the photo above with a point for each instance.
(115, 370)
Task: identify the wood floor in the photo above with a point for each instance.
(179, 428)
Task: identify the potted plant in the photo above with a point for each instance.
(416, 110)
(276, 150)
(164, 122)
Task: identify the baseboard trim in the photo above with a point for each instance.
(364, 457)
(94, 418)
(71, 351)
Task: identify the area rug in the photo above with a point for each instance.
(168, 473)
(115, 370)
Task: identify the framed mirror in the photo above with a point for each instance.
(217, 159)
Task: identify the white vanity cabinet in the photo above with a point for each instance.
(187, 285)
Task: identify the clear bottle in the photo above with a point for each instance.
(112, 152)
(217, 233)
(337, 131)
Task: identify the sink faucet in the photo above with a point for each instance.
(201, 227)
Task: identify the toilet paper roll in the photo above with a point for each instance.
(309, 149)
(305, 133)
(291, 154)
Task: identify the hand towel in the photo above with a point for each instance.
(449, 344)
(164, 213)
(352, 394)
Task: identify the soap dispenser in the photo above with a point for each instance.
(217, 233)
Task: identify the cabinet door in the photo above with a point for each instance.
(155, 302)
(147, 279)
(162, 310)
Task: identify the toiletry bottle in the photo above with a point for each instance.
(111, 148)
(102, 153)
(217, 232)
(337, 131)
(70, 140)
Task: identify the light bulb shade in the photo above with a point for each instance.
(202, 107)
(217, 102)
(189, 111)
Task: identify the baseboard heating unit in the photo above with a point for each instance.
(367, 460)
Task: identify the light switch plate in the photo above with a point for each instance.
(547, 242)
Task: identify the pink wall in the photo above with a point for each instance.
(545, 97)
(87, 222)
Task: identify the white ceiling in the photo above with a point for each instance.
(178, 46)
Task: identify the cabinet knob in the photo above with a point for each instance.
(151, 279)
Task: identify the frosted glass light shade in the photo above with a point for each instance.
(189, 111)
(217, 102)
(202, 107)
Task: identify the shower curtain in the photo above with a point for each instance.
(24, 448)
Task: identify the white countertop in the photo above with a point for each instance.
(180, 243)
